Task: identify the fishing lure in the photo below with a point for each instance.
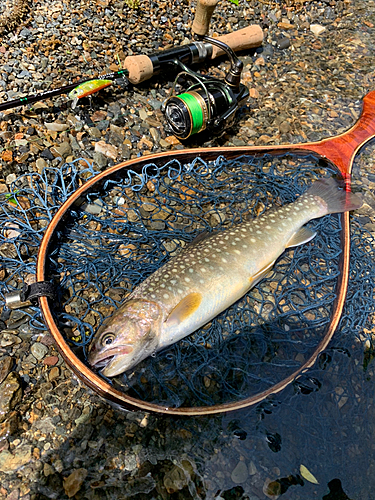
(87, 88)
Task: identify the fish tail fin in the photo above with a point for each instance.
(335, 199)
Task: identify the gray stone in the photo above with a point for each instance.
(10, 178)
(100, 160)
(240, 473)
(95, 133)
(45, 425)
(8, 338)
(93, 208)
(39, 350)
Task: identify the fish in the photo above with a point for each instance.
(88, 88)
(208, 276)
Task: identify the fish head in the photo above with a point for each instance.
(126, 338)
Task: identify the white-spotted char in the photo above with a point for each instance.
(207, 277)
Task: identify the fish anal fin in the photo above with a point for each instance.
(185, 308)
(302, 236)
(255, 278)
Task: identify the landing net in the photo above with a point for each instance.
(132, 223)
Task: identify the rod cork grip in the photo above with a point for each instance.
(203, 13)
(246, 38)
(140, 68)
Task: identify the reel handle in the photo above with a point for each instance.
(141, 68)
(203, 14)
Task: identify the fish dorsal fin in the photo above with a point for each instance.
(300, 237)
(187, 306)
(261, 274)
(200, 237)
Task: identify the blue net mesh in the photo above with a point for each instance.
(131, 223)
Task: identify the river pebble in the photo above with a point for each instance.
(39, 350)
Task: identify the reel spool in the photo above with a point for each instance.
(210, 103)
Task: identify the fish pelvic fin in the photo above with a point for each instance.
(302, 236)
(261, 274)
(336, 199)
(185, 308)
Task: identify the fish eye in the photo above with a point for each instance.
(108, 338)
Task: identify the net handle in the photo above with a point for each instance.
(342, 148)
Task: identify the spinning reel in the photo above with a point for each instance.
(209, 103)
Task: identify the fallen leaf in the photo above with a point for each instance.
(306, 474)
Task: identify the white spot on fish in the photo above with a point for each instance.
(268, 227)
(234, 243)
(253, 240)
(201, 281)
(203, 269)
(191, 270)
(237, 252)
(166, 296)
(224, 260)
(259, 232)
(162, 285)
(187, 279)
(179, 291)
(244, 246)
(206, 259)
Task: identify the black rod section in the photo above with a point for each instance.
(61, 90)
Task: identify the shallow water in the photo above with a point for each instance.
(59, 429)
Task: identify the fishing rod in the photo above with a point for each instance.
(141, 67)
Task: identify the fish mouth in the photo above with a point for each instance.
(100, 360)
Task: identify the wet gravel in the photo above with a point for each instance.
(57, 438)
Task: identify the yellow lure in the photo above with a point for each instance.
(87, 88)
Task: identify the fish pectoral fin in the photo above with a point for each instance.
(302, 236)
(186, 307)
(261, 274)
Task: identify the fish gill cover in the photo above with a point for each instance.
(124, 229)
